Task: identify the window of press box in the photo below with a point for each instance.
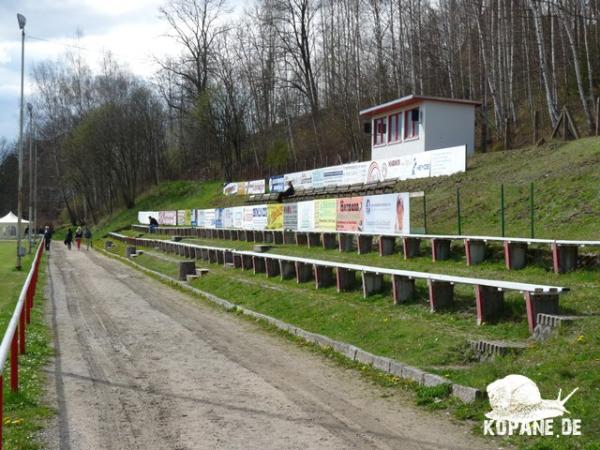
(379, 130)
(411, 123)
(395, 127)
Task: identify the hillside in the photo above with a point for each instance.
(566, 181)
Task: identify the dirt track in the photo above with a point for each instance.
(140, 365)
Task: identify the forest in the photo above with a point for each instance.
(279, 86)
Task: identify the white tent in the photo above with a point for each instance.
(8, 226)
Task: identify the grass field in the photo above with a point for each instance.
(567, 206)
(24, 412)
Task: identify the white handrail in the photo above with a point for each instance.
(19, 309)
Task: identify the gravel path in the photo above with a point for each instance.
(142, 366)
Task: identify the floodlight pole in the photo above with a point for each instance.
(30, 109)
(22, 22)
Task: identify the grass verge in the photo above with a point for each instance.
(24, 412)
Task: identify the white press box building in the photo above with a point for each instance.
(418, 123)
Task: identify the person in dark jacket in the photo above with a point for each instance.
(69, 238)
(153, 224)
(87, 235)
(47, 237)
(287, 193)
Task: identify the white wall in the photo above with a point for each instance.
(448, 125)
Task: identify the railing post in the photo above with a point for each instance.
(14, 364)
(21, 330)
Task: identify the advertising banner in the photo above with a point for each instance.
(209, 218)
(306, 216)
(386, 214)
(274, 217)
(181, 217)
(255, 187)
(238, 217)
(277, 184)
(230, 189)
(349, 214)
(227, 218)
(325, 214)
(167, 218)
(448, 161)
(355, 172)
(290, 216)
(144, 216)
(219, 218)
(200, 218)
(302, 180)
(259, 217)
(247, 220)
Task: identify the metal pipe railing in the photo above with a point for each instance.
(14, 337)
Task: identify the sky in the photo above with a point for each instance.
(131, 29)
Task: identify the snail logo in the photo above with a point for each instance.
(516, 401)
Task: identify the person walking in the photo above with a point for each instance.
(78, 236)
(87, 234)
(69, 238)
(47, 237)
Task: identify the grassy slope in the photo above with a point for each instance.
(568, 205)
(23, 411)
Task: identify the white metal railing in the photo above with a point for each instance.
(13, 341)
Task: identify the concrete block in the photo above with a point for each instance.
(489, 302)
(323, 276)
(387, 245)
(440, 249)
(430, 379)
(365, 244)
(258, 263)
(346, 242)
(441, 294)
(247, 263)
(413, 374)
(301, 238)
(363, 357)
(465, 393)
(261, 248)
(278, 237)
(129, 250)
(396, 368)
(287, 269)
(272, 267)
(411, 247)
(564, 257)
(303, 272)
(186, 268)
(189, 278)
(268, 235)
(382, 363)
(329, 241)
(515, 255)
(345, 279)
(540, 302)
(313, 239)
(202, 272)
(403, 289)
(371, 283)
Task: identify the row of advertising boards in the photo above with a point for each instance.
(385, 214)
(432, 163)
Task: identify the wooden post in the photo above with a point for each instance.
(506, 133)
